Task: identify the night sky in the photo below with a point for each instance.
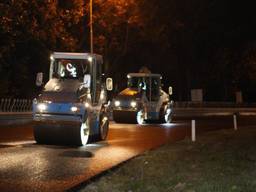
(200, 44)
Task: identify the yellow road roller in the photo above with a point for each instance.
(143, 100)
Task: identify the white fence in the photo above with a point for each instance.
(15, 105)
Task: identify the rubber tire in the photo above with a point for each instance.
(139, 118)
(103, 127)
(162, 118)
(170, 118)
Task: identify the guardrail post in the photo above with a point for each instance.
(19, 105)
(13, 104)
(30, 105)
(23, 105)
(193, 130)
(235, 122)
(8, 105)
(2, 105)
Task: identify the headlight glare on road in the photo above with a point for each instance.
(41, 107)
(117, 103)
(133, 104)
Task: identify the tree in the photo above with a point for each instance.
(29, 30)
(115, 21)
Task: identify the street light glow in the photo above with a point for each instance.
(91, 26)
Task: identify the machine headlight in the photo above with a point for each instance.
(42, 106)
(133, 104)
(117, 103)
(87, 104)
(74, 109)
(90, 59)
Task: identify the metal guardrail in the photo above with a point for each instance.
(15, 105)
(220, 111)
(13, 111)
(24, 105)
(204, 109)
(190, 104)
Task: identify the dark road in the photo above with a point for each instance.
(26, 166)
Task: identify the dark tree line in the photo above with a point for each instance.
(206, 44)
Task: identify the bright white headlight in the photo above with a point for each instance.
(41, 106)
(87, 104)
(117, 103)
(74, 109)
(133, 104)
(90, 59)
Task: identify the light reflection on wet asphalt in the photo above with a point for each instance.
(26, 166)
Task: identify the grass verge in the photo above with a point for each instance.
(220, 161)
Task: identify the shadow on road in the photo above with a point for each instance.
(75, 154)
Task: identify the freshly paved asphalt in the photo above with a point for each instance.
(27, 166)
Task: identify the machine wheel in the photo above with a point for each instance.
(62, 134)
(140, 117)
(84, 133)
(38, 135)
(168, 115)
(103, 126)
(165, 115)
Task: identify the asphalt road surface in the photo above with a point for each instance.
(27, 166)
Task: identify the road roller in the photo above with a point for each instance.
(72, 108)
(143, 100)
